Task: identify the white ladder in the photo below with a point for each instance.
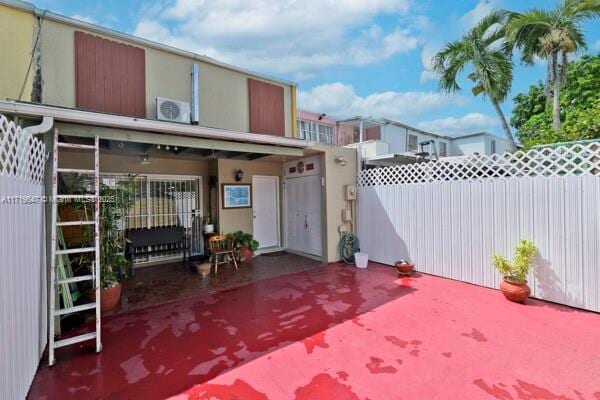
(54, 309)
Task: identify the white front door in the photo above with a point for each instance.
(303, 212)
(265, 210)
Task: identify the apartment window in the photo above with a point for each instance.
(443, 149)
(109, 76)
(413, 142)
(325, 134)
(492, 146)
(302, 130)
(266, 108)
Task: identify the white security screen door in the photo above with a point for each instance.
(303, 206)
(265, 210)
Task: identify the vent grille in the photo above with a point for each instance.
(170, 109)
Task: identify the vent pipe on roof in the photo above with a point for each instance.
(195, 117)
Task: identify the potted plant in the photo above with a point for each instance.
(243, 244)
(404, 267)
(114, 266)
(208, 226)
(514, 284)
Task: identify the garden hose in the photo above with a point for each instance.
(348, 246)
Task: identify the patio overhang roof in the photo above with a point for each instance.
(127, 129)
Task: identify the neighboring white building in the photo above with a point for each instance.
(386, 142)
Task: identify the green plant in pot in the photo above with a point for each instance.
(115, 201)
(243, 244)
(114, 265)
(514, 283)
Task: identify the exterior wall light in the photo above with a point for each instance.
(341, 160)
(144, 159)
(239, 175)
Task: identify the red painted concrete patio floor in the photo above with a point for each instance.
(338, 333)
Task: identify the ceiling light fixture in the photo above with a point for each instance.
(145, 159)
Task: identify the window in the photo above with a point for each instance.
(266, 108)
(492, 146)
(302, 129)
(109, 76)
(325, 134)
(311, 132)
(443, 149)
(413, 142)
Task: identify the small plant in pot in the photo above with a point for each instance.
(514, 283)
(404, 267)
(244, 245)
(114, 266)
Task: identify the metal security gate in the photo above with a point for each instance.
(164, 200)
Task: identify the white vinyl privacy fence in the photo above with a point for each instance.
(22, 259)
(450, 216)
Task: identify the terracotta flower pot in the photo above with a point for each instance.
(203, 269)
(246, 253)
(110, 297)
(515, 291)
(405, 268)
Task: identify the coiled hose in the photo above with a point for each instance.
(348, 246)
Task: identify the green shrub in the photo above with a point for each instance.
(243, 239)
(517, 269)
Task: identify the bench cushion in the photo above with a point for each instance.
(156, 236)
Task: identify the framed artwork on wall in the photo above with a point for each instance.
(236, 195)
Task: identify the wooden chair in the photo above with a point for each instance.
(221, 247)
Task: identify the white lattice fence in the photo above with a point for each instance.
(579, 159)
(450, 216)
(22, 259)
(21, 156)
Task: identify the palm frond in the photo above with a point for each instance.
(449, 62)
(581, 10)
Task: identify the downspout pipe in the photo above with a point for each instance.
(45, 126)
(360, 140)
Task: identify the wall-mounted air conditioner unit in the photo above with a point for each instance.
(172, 110)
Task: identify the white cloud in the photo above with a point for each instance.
(284, 36)
(451, 32)
(469, 123)
(427, 55)
(482, 9)
(340, 100)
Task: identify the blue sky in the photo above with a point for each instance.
(348, 57)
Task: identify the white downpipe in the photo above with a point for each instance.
(23, 142)
(45, 126)
(358, 169)
(361, 138)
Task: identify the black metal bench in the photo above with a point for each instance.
(157, 240)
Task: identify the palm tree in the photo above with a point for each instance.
(486, 50)
(552, 35)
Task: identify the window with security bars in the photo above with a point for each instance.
(164, 201)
